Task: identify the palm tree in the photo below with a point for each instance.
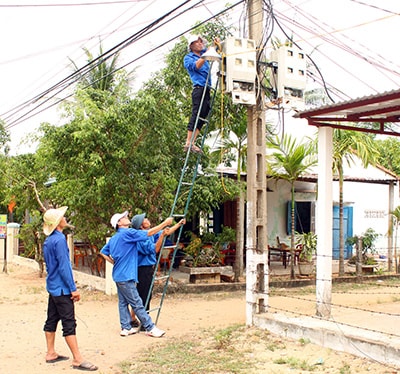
(288, 161)
(347, 145)
(101, 73)
(396, 216)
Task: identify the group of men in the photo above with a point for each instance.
(131, 250)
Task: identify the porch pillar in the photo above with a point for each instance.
(323, 223)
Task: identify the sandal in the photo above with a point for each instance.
(85, 366)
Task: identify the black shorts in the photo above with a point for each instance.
(61, 308)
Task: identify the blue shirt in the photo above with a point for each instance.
(147, 251)
(60, 279)
(198, 76)
(122, 248)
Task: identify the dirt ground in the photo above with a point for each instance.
(23, 301)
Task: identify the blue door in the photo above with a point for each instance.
(347, 228)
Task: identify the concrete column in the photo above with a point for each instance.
(324, 222)
(70, 243)
(12, 240)
(257, 280)
(390, 226)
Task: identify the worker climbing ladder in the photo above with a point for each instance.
(184, 190)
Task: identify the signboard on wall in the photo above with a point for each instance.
(3, 226)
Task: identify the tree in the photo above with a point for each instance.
(396, 216)
(121, 152)
(346, 146)
(289, 159)
(389, 153)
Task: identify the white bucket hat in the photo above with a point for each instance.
(116, 217)
(51, 218)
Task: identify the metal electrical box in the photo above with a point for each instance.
(239, 69)
(290, 75)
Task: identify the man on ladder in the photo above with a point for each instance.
(199, 72)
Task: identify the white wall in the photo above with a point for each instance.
(370, 204)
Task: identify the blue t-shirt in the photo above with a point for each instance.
(123, 250)
(60, 279)
(198, 76)
(147, 251)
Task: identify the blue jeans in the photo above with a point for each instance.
(128, 295)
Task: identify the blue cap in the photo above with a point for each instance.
(138, 220)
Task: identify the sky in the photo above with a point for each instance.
(353, 43)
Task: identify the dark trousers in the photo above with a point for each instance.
(61, 308)
(197, 95)
(145, 276)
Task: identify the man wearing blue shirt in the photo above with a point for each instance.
(121, 250)
(62, 290)
(147, 254)
(198, 69)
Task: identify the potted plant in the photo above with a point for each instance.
(368, 238)
(307, 241)
(204, 257)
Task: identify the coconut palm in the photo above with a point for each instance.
(396, 216)
(289, 160)
(346, 146)
(101, 73)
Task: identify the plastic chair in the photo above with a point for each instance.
(165, 259)
(79, 254)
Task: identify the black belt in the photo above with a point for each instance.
(201, 87)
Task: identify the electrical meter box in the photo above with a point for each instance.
(239, 69)
(290, 75)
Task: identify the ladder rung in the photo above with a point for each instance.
(178, 215)
(162, 277)
(153, 309)
(204, 119)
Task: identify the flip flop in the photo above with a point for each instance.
(85, 366)
(57, 359)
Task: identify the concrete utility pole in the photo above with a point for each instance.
(257, 281)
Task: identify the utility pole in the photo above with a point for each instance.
(257, 281)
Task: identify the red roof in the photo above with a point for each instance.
(379, 114)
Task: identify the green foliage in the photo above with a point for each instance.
(201, 255)
(32, 237)
(368, 239)
(389, 153)
(206, 249)
(308, 241)
(289, 159)
(118, 152)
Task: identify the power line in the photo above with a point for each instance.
(76, 76)
(68, 4)
(51, 93)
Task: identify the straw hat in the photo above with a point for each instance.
(51, 218)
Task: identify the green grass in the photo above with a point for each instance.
(295, 363)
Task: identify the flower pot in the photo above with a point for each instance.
(306, 268)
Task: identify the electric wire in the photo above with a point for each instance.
(76, 75)
(73, 78)
(68, 4)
